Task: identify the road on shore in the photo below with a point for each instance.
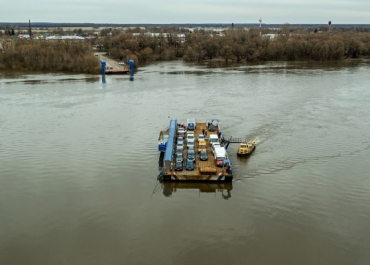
(111, 64)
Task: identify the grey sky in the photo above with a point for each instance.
(188, 11)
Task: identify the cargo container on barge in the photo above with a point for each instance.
(174, 164)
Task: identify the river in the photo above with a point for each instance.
(79, 165)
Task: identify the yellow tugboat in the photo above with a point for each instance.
(246, 148)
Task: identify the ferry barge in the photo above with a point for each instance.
(180, 141)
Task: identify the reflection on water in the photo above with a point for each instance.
(34, 80)
(92, 79)
(186, 73)
(169, 188)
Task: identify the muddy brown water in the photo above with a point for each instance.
(79, 160)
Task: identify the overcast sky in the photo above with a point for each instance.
(188, 11)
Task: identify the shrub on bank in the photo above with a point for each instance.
(49, 56)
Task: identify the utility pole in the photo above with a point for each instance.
(260, 26)
(329, 25)
(29, 29)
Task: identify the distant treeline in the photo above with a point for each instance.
(49, 56)
(15, 25)
(239, 44)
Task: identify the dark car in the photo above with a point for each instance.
(189, 164)
(211, 127)
(178, 165)
(203, 156)
(191, 155)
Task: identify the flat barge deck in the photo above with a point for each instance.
(203, 170)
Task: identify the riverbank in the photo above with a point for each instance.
(79, 57)
(242, 45)
(220, 59)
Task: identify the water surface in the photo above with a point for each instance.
(79, 160)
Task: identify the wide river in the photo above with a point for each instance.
(79, 166)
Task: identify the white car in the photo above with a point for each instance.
(201, 137)
(190, 144)
(190, 136)
(180, 144)
(121, 63)
(181, 130)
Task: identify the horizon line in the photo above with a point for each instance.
(186, 23)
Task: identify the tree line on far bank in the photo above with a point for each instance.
(237, 44)
(240, 44)
(49, 56)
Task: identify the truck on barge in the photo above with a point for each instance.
(218, 167)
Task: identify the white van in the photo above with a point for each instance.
(220, 155)
(213, 138)
(214, 146)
